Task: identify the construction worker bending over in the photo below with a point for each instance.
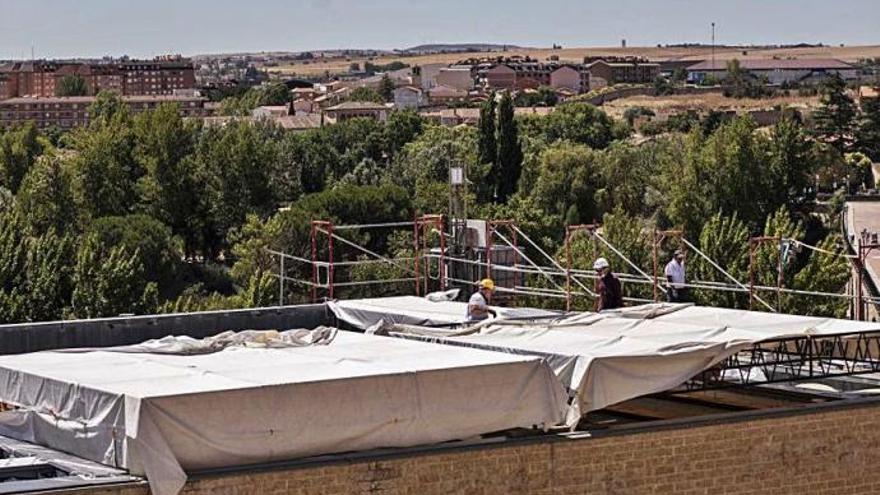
(478, 305)
(676, 291)
(607, 287)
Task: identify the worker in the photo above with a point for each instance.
(676, 290)
(478, 305)
(607, 286)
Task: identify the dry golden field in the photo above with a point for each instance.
(664, 105)
(340, 65)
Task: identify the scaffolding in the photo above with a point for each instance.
(430, 265)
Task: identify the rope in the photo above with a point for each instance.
(372, 225)
(523, 255)
(820, 250)
(618, 253)
(555, 263)
(371, 253)
(731, 277)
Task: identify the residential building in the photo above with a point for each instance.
(868, 93)
(161, 76)
(73, 111)
(270, 111)
(408, 97)
(500, 77)
(566, 77)
(445, 95)
(356, 109)
(456, 77)
(617, 71)
(523, 75)
(776, 71)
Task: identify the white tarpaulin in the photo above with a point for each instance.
(614, 356)
(412, 310)
(159, 414)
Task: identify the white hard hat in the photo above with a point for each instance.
(600, 264)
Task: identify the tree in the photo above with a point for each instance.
(724, 239)
(792, 165)
(510, 157)
(488, 147)
(157, 251)
(868, 135)
(109, 281)
(71, 85)
(19, 149)
(363, 93)
(386, 88)
(48, 283)
(45, 199)
(580, 123)
(170, 189)
(567, 178)
(834, 120)
(104, 171)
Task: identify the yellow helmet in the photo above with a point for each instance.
(487, 283)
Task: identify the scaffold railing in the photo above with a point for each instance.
(561, 279)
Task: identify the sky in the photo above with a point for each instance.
(93, 28)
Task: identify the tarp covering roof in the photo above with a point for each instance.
(412, 310)
(610, 357)
(154, 411)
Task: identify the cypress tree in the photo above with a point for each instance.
(488, 147)
(510, 157)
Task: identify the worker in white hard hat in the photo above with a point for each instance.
(607, 286)
(478, 305)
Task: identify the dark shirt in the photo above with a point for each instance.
(608, 289)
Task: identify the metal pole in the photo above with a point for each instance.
(330, 256)
(515, 258)
(314, 239)
(489, 229)
(568, 270)
(779, 279)
(281, 280)
(416, 254)
(442, 253)
(654, 255)
(751, 273)
(859, 294)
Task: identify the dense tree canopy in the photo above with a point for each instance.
(146, 212)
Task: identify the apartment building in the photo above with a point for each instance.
(531, 75)
(161, 76)
(73, 111)
(604, 72)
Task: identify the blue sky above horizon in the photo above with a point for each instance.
(93, 28)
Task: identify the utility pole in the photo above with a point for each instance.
(713, 46)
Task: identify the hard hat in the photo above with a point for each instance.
(600, 264)
(487, 283)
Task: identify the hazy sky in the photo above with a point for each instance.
(67, 28)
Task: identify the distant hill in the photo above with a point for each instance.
(457, 48)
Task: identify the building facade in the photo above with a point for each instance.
(162, 76)
(73, 111)
(776, 71)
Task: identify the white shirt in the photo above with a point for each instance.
(675, 271)
(478, 300)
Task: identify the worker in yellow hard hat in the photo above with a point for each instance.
(478, 305)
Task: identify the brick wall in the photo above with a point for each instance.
(827, 450)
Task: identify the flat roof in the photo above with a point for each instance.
(91, 99)
(184, 405)
(775, 64)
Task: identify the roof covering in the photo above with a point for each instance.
(610, 357)
(159, 409)
(776, 64)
